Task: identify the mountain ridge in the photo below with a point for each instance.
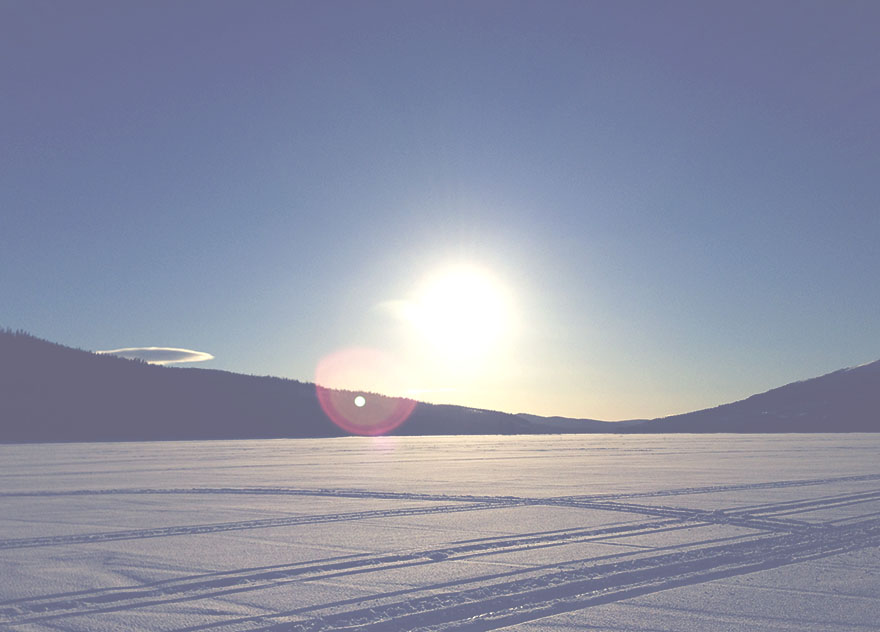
(51, 392)
(845, 400)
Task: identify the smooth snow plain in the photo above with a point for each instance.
(659, 533)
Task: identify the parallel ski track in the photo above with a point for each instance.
(467, 503)
(489, 601)
(361, 493)
(214, 584)
(197, 529)
(507, 603)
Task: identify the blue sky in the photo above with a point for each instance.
(679, 201)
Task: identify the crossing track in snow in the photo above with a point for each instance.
(240, 525)
(766, 538)
(505, 603)
(391, 495)
(461, 503)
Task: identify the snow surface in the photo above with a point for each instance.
(639, 532)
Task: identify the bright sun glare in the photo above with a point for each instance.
(462, 311)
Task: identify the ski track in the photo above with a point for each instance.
(732, 517)
(488, 601)
(362, 493)
(160, 532)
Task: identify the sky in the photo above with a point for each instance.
(604, 210)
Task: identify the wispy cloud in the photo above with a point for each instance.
(159, 355)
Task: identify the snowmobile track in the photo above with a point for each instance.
(487, 601)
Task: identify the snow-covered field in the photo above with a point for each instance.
(649, 533)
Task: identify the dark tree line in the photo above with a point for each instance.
(49, 392)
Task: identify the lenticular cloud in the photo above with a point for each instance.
(160, 355)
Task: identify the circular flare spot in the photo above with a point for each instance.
(340, 376)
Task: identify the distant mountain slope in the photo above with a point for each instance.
(49, 392)
(564, 425)
(844, 401)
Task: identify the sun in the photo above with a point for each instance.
(462, 311)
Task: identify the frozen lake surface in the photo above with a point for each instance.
(640, 533)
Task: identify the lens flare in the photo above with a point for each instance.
(341, 380)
